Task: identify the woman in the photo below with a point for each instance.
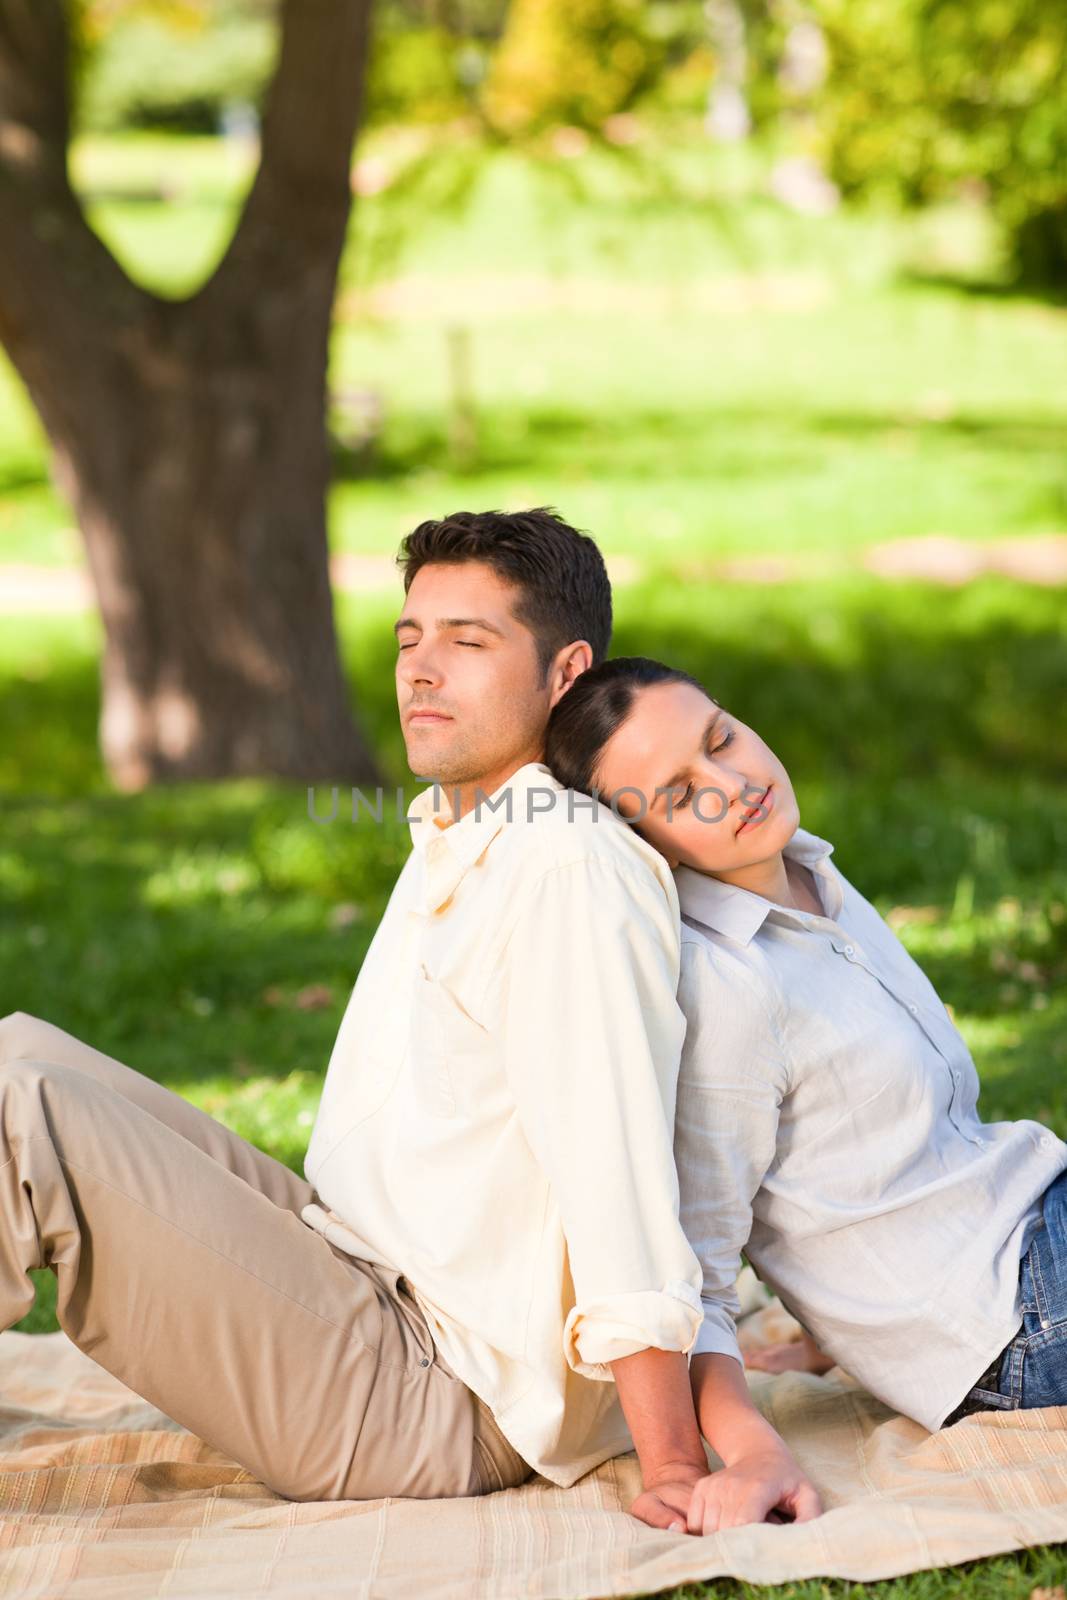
(827, 1122)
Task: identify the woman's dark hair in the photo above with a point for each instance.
(565, 592)
(595, 706)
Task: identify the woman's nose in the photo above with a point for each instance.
(731, 782)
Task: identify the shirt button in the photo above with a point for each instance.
(849, 949)
(1046, 1141)
(913, 1009)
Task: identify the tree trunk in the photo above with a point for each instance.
(190, 436)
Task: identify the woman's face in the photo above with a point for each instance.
(676, 743)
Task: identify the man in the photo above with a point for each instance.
(482, 1272)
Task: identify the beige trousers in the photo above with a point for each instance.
(184, 1268)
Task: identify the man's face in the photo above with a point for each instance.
(472, 704)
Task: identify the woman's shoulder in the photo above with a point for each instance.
(733, 1012)
(712, 965)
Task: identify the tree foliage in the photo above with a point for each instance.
(926, 96)
(569, 61)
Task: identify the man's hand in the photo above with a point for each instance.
(657, 1401)
(664, 1501)
(765, 1486)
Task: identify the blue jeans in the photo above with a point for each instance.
(1032, 1369)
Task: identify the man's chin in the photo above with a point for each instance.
(433, 766)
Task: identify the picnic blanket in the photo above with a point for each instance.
(102, 1497)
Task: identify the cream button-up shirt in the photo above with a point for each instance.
(497, 1116)
(828, 1126)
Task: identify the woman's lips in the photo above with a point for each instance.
(765, 806)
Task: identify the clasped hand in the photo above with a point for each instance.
(764, 1486)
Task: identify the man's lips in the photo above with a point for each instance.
(425, 714)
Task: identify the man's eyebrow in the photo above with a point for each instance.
(680, 774)
(452, 622)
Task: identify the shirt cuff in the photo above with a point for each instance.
(601, 1331)
(717, 1336)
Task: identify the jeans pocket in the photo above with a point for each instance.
(1044, 1368)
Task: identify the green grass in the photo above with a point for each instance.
(726, 378)
(731, 378)
(1007, 1578)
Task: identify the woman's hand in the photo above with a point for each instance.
(798, 1355)
(760, 1481)
(765, 1486)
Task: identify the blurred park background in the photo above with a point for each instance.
(770, 296)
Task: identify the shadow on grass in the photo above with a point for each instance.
(48, 728)
(987, 288)
(190, 932)
(719, 442)
(850, 678)
(20, 473)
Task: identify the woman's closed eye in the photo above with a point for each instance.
(689, 790)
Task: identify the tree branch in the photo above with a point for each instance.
(297, 209)
(61, 290)
(34, 88)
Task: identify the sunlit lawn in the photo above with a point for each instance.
(722, 375)
(210, 935)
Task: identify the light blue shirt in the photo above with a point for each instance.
(827, 1126)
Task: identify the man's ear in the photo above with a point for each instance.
(572, 661)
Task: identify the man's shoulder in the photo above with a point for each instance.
(562, 827)
(552, 827)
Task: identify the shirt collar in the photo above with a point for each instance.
(738, 913)
(450, 848)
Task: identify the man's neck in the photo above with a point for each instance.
(464, 796)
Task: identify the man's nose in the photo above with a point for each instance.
(419, 665)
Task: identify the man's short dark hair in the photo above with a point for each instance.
(564, 590)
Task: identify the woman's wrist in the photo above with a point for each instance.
(748, 1436)
(729, 1420)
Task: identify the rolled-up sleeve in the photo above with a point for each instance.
(730, 1090)
(593, 1034)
